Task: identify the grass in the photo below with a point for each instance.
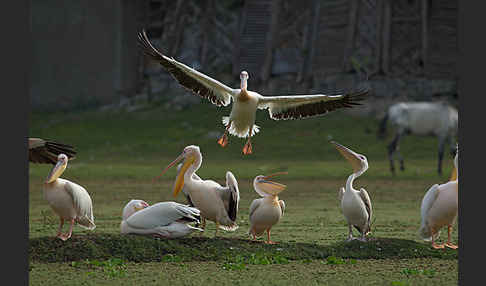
(119, 153)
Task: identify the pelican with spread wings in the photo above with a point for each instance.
(241, 121)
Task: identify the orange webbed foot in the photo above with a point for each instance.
(223, 141)
(247, 149)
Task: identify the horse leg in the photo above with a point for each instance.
(442, 143)
(392, 148)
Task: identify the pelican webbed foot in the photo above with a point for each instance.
(247, 149)
(223, 141)
(450, 245)
(437, 246)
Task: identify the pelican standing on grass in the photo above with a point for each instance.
(215, 202)
(46, 151)
(266, 211)
(164, 219)
(439, 208)
(241, 121)
(355, 205)
(68, 200)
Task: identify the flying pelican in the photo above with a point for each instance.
(356, 205)
(266, 211)
(439, 208)
(241, 121)
(164, 219)
(44, 151)
(69, 200)
(215, 202)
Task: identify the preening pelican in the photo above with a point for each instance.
(44, 151)
(266, 211)
(164, 219)
(241, 121)
(215, 202)
(68, 200)
(439, 208)
(356, 205)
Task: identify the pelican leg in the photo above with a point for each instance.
(435, 246)
(66, 236)
(216, 232)
(449, 242)
(203, 226)
(350, 233)
(60, 227)
(247, 149)
(223, 141)
(269, 241)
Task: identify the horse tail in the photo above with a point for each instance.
(382, 128)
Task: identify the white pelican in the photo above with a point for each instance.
(241, 121)
(216, 203)
(69, 200)
(44, 151)
(356, 205)
(266, 211)
(165, 219)
(439, 208)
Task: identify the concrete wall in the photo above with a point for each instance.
(78, 53)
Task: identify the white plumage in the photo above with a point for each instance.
(439, 209)
(355, 205)
(164, 219)
(215, 202)
(68, 200)
(241, 121)
(267, 211)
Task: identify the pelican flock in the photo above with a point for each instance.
(241, 121)
(266, 211)
(439, 209)
(163, 220)
(355, 205)
(68, 200)
(46, 151)
(215, 202)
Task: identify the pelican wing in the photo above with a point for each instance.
(254, 205)
(162, 214)
(231, 194)
(82, 203)
(197, 82)
(341, 193)
(366, 200)
(428, 200)
(302, 106)
(44, 151)
(282, 206)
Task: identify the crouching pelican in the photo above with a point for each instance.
(266, 211)
(241, 121)
(164, 219)
(439, 208)
(45, 151)
(355, 205)
(215, 202)
(68, 200)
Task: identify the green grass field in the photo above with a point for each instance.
(119, 153)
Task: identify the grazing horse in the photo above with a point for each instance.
(420, 118)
